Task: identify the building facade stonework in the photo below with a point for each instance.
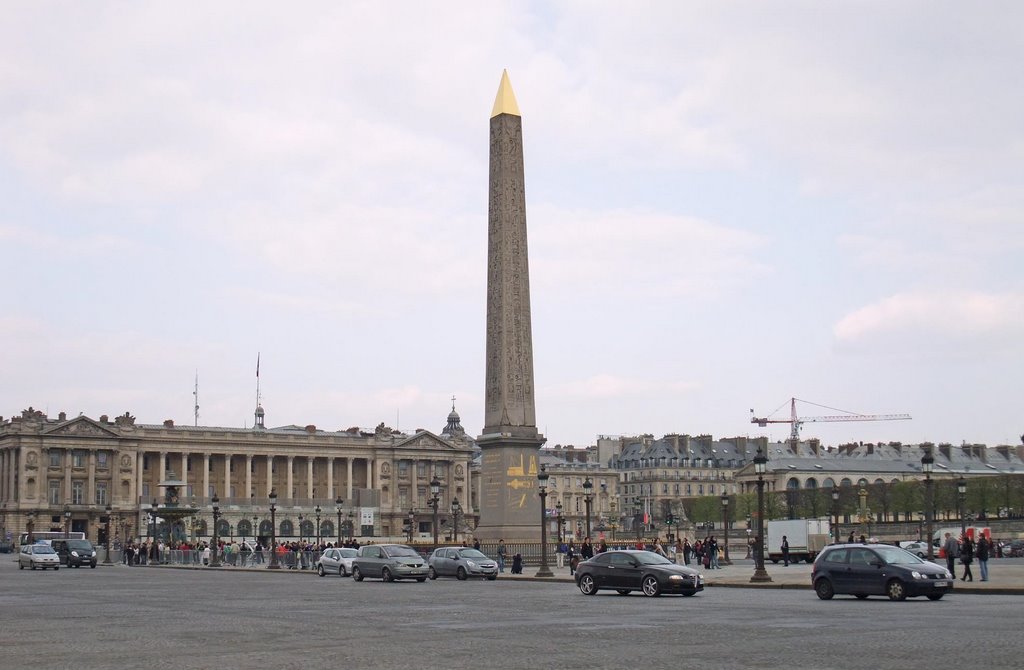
(49, 467)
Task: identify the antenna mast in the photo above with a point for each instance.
(195, 396)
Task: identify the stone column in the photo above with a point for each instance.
(227, 476)
(184, 472)
(90, 486)
(309, 476)
(67, 477)
(163, 467)
(291, 478)
(248, 477)
(206, 476)
(270, 474)
(348, 496)
(330, 478)
(4, 470)
(140, 460)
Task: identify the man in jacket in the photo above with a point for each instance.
(952, 548)
(983, 550)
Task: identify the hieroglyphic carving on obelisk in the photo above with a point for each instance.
(509, 506)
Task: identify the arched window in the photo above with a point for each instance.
(306, 528)
(846, 482)
(266, 529)
(223, 528)
(811, 483)
(792, 484)
(287, 528)
(829, 483)
(880, 481)
(327, 529)
(202, 528)
(244, 527)
(862, 482)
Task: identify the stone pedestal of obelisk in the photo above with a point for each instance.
(509, 504)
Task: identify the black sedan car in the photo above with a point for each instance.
(631, 570)
(866, 570)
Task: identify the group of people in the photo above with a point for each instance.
(568, 552)
(967, 550)
(291, 555)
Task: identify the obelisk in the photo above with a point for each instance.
(509, 504)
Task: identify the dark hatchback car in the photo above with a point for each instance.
(877, 570)
(633, 570)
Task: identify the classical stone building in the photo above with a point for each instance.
(52, 467)
(569, 469)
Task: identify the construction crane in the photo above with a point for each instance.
(796, 422)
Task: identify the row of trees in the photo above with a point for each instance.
(987, 497)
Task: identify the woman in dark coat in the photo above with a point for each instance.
(966, 557)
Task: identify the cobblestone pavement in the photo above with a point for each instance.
(115, 617)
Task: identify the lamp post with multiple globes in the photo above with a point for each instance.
(760, 467)
(435, 498)
(725, 528)
(588, 499)
(542, 486)
(337, 507)
(274, 565)
(927, 463)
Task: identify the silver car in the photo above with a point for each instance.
(389, 562)
(461, 563)
(336, 560)
(38, 556)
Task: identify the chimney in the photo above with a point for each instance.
(169, 423)
(104, 419)
(63, 416)
(311, 428)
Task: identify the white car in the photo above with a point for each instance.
(336, 561)
(40, 555)
(919, 549)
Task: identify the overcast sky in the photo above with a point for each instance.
(729, 204)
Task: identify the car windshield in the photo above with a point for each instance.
(401, 550)
(651, 558)
(79, 544)
(471, 553)
(349, 553)
(43, 549)
(897, 555)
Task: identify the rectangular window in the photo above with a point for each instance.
(403, 468)
(188, 463)
(145, 491)
(700, 489)
(77, 492)
(688, 489)
(421, 469)
(403, 498)
(145, 462)
(54, 458)
(101, 493)
(78, 459)
(188, 491)
(210, 491)
(54, 492)
(101, 460)
(167, 462)
(711, 489)
(231, 464)
(421, 494)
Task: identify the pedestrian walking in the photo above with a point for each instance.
(952, 549)
(967, 557)
(501, 555)
(785, 551)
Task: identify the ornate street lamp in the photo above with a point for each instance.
(456, 509)
(863, 513)
(300, 528)
(760, 467)
(351, 525)
(274, 565)
(317, 510)
(108, 510)
(215, 557)
(725, 527)
(412, 520)
(435, 497)
(542, 486)
(961, 490)
(67, 520)
(927, 463)
(588, 499)
(835, 510)
(337, 507)
(558, 516)
(152, 514)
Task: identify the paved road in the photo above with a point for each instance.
(117, 617)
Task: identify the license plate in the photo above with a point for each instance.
(941, 583)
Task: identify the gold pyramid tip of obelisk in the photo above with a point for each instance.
(505, 103)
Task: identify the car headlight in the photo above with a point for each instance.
(675, 578)
(75, 554)
(917, 575)
(471, 564)
(948, 576)
(94, 553)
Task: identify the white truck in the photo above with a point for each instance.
(806, 538)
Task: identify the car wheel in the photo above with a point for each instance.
(492, 578)
(421, 579)
(341, 571)
(92, 565)
(320, 569)
(385, 574)
(32, 565)
(460, 574)
(432, 573)
(56, 567)
(587, 585)
(689, 593)
(935, 596)
(896, 590)
(824, 589)
(356, 575)
(650, 586)
(623, 592)
(860, 596)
